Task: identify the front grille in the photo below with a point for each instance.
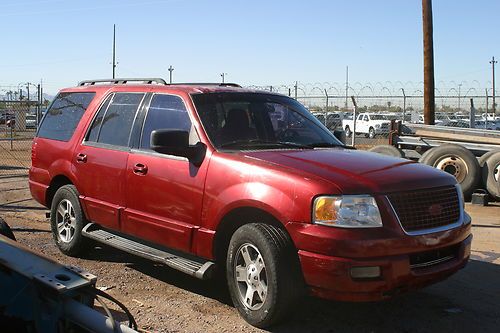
(426, 209)
(432, 258)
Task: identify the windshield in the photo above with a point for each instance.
(259, 121)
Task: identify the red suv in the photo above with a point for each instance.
(212, 178)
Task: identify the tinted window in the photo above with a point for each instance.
(64, 115)
(165, 112)
(118, 119)
(96, 124)
(260, 121)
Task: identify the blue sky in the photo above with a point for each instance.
(255, 42)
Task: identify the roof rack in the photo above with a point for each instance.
(206, 84)
(123, 81)
(152, 81)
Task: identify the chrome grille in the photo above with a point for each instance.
(426, 209)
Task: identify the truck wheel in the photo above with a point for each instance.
(67, 221)
(457, 161)
(491, 175)
(424, 156)
(348, 132)
(263, 274)
(485, 156)
(388, 150)
(5, 230)
(371, 133)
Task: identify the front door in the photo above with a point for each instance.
(164, 192)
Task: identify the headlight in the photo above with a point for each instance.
(377, 125)
(348, 211)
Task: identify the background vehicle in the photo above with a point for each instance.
(370, 124)
(332, 120)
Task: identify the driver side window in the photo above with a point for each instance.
(165, 112)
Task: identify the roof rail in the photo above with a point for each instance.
(122, 81)
(205, 84)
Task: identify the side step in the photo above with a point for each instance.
(199, 269)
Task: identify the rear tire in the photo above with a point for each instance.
(388, 150)
(263, 274)
(457, 161)
(67, 221)
(491, 175)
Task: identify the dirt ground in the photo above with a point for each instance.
(164, 300)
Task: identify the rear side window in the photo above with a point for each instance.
(64, 115)
(113, 123)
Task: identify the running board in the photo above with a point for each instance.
(199, 269)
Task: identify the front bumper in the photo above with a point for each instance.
(327, 260)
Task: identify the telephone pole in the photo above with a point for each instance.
(170, 69)
(429, 104)
(223, 75)
(114, 49)
(493, 62)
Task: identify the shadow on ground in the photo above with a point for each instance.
(468, 301)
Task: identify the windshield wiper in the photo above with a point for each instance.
(265, 143)
(324, 145)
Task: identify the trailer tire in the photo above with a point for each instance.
(388, 150)
(423, 157)
(484, 157)
(457, 161)
(5, 230)
(491, 175)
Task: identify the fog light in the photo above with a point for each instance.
(369, 272)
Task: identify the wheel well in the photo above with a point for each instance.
(55, 184)
(235, 219)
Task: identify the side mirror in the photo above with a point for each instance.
(176, 142)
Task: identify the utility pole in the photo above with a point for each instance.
(296, 87)
(429, 97)
(493, 62)
(28, 90)
(170, 69)
(114, 50)
(346, 85)
(223, 75)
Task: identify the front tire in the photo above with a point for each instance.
(371, 133)
(348, 131)
(263, 274)
(67, 221)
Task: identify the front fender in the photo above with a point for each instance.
(255, 195)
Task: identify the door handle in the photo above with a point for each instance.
(81, 158)
(140, 169)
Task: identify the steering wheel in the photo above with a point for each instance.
(288, 134)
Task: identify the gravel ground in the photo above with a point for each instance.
(164, 300)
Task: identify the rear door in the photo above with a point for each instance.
(164, 192)
(100, 161)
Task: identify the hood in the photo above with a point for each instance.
(357, 172)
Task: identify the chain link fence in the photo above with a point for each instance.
(461, 105)
(18, 123)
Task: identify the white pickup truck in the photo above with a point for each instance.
(370, 124)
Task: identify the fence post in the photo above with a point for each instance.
(404, 104)
(354, 111)
(472, 118)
